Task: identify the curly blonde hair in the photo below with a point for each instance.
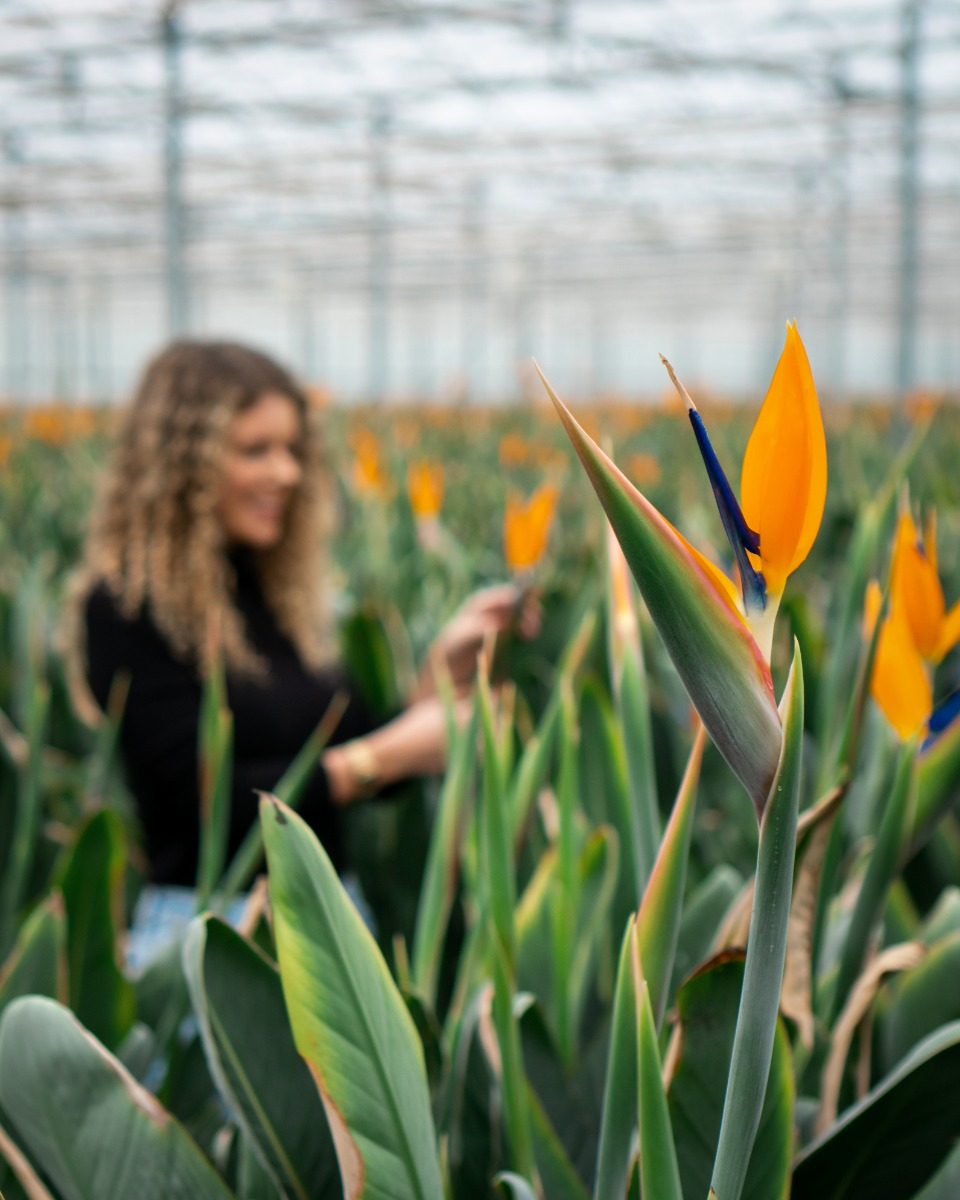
(156, 541)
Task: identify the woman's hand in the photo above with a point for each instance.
(414, 743)
(482, 616)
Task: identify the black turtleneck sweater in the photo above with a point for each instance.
(159, 731)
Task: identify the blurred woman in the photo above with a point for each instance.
(209, 539)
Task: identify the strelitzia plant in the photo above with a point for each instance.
(720, 641)
(720, 636)
(917, 632)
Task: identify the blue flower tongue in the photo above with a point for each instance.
(943, 715)
(739, 534)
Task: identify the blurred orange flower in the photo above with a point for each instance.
(425, 488)
(48, 424)
(643, 469)
(367, 473)
(6, 445)
(526, 526)
(514, 450)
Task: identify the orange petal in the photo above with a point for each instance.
(526, 527)
(949, 632)
(872, 603)
(900, 684)
(783, 485)
(915, 591)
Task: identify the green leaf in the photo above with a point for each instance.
(38, 962)
(718, 661)
(619, 1123)
(496, 843)
(443, 863)
(921, 1000)
(367, 653)
(565, 1101)
(938, 774)
(700, 919)
(349, 1020)
(249, 855)
(15, 867)
(605, 789)
(881, 871)
(559, 1179)
(659, 1173)
(470, 1118)
(513, 1077)
(658, 922)
(892, 1141)
(628, 673)
(707, 1005)
(766, 951)
(93, 1129)
(238, 1000)
(511, 1184)
(92, 882)
(216, 771)
(566, 891)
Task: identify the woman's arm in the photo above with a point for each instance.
(413, 743)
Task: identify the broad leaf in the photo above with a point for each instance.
(92, 882)
(37, 965)
(707, 1006)
(894, 1139)
(93, 1129)
(349, 1021)
(238, 1001)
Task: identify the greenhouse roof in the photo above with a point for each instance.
(676, 162)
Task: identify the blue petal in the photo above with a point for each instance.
(739, 534)
(942, 716)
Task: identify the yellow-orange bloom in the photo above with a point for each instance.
(526, 526)
(514, 450)
(425, 488)
(367, 472)
(783, 485)
(900, 683)
(916, 594)
(782, 491)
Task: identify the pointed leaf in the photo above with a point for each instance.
(893, 1140)
(707, 1005)
(880, 873)
(659, 1173)
(349, 1020)
(618, 1128)
(238, 1000)
(38, 963)
(766, 950)
(93, 1129)
(658, 922)
(92, 882)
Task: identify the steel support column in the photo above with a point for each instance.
(909, 195)
(174, 222)
(379, 278)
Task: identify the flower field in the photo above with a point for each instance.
(617, 953)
